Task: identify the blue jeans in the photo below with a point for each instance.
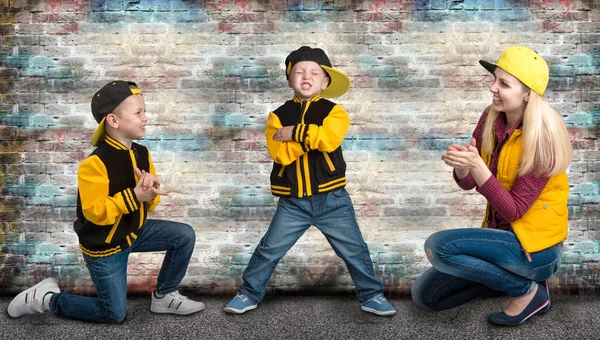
(475, 263)
(333, 214)
(109, 274)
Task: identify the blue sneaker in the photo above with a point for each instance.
(378, 305)
(239, 304)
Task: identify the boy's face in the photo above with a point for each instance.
(307, 79)
(128, 120)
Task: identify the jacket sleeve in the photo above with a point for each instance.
(327, 137)
(98, 207)
(151, 205)
(283, 153)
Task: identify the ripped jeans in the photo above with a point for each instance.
(475, 263)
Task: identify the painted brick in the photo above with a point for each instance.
(212, 70)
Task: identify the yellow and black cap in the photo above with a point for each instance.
(339, 83)
(106, 100)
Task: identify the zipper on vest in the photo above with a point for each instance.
(527, 254)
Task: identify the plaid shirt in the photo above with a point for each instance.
(505, 206)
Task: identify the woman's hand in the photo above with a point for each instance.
(465, 159)
(462, 157)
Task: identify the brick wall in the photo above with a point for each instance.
(212, 70)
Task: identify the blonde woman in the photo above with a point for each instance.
(517, 160)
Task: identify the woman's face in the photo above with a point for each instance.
(510, 94)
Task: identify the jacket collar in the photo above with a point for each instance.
(113, 143)
(313, 99)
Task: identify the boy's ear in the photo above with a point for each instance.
(326, 81)
(111, 119)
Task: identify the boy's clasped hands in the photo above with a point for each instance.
(148, 186)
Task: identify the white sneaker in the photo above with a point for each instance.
(32, 300)
(175, 303)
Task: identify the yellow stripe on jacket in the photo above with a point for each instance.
(97, 206)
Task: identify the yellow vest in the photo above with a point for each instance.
(546, 222)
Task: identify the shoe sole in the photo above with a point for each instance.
(40, 284)
(545, 309)
(175, 311)
(239, 311)
(375, 311)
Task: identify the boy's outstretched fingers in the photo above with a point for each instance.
(142, 177)
(146, 179)
(159, 192)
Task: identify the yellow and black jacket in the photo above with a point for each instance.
(313, 162)
(109, 216)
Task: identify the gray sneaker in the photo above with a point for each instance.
(34, 300)
(175, 303)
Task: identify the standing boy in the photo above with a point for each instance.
(304, 137)
(117, 187)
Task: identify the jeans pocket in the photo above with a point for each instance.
(341, 198)
(86, 262)
(543, 272)
(340, 194)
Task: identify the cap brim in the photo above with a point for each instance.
(339, 83)
(488, 66)
(99, 133)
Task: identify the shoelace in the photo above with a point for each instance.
(242, 297)
(380, 299)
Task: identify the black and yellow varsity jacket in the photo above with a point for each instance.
(109, 216)
(313, 162)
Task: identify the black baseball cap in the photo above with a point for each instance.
(338, 81)
(107, 99)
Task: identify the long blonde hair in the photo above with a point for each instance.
(546, 144)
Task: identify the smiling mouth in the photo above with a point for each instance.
(305, 86)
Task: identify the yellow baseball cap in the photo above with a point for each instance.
(525, 64)
(339, 83)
